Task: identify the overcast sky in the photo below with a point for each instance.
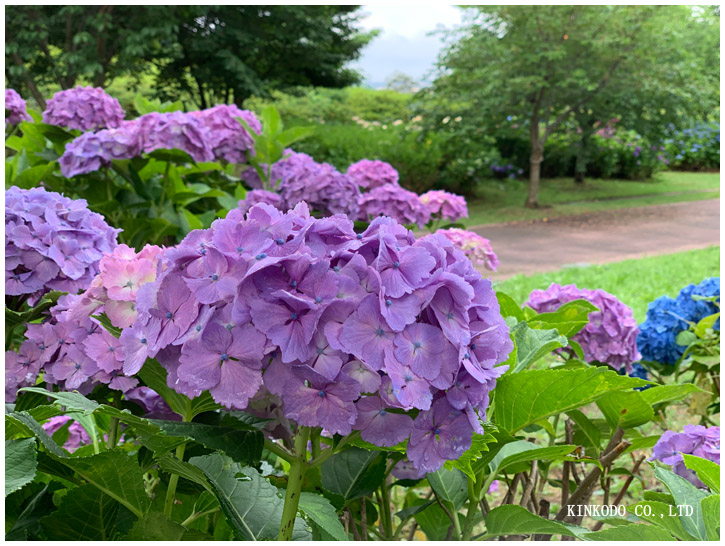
(403, 43)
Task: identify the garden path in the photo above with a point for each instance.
(534, 246)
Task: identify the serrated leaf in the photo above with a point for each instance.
(116, 473)
(24, 423)
(156, 526)
(685, 494)
(568, 319)
(711, 514)
(353, 473)
(659, 513)
(522, 451)
(707, 471)
(21, 463)
(252, 505)
(667, 393)
(632, 532)
(625, 409)
(169, 463)
(323, 516)
(450, 486)
(517, 520)
(85, 513)
(172, 155)
(71, 401)
(524, 398)
(509, 307)
(479, 444)
(533, 344)
(586, 433)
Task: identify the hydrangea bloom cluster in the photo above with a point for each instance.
(340, 327)
(74, 353)
(396, 202)
(230, 140)
(667, 317)
(372, 173)
(611, 334)
(477, 248)
(114, 290)
(445, 205)
(15, 108)
(51, 243)
(77, 435)
(694, 440)
(83, 108)
(260, 196)
(152, 403)
(298, 177)
(179, 130)
(91, 151)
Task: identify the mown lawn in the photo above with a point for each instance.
(635, 282)
(502, 201)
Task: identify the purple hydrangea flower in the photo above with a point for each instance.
(334, 329)
(51, 243)
(396, 202)
(77, 435)
(372, 173)
(91, 151)
(610, 336)
(154, 406)
(230, 140)
(261, 196)
(84, 108)
(177, 130)
(16, 110)
(695, 440)
(477, 248)
(445, 205)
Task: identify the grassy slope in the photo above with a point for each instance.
(501, 201)
(635, 282)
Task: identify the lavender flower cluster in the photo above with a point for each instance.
(338, 330)
(667, 317)
(477, 248)
(51, 243)
(77, 435)
(694, 440)
(205, 135)
(372, 173)
(396, 202)
(15, 108)
(84, 108)
(444, 205)
(611, 334)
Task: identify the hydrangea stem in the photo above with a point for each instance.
(298, 467)
(173, 481)
(474, 497)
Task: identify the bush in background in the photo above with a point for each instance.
(695, 149)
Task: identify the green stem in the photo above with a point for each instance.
(474, 497)
(315, 441)
(298, 467)
(113, 428)
(173, 482)
(278, 450)
(385, 514)
(164, 186)
(94, 437)
(196, 515)
(456, 523)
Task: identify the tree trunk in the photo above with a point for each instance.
(537, 156)
(30, 82)
(580, 166)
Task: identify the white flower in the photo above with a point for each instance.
(446, 119)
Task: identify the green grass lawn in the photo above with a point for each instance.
(635, 282)
(502, 201)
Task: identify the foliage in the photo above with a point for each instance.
(696, 148)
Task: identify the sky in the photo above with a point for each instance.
(403, 44)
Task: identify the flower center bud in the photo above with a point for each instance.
(224, 357)
(293, 284)
(318, 299)
(320, 351)
(261, 256)
(450, 315)
(215, 277)
(379, 331)
(322, 394)
(169, 314)
(382, 412)
(388, 303)
(293, 316)
(240, 249)
(466, 356)
(416, 344)
(396, 265)
(143, 340)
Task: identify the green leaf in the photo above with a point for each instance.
(156, 526)
(522, 451)
(172, 155)
(516, 520)
(85, 513)
(252, 505)
(322, 516)
(24, 423)
(191, 219)
(509, 308)
(450, 486)
(531, 344)
(667, 393)
(625, 409)
(632, 532)
(568, 319)
(638, 444)
(20, 463)
(524, 398)
(30, 178)
(27, 519)
(353, 473)
(293, 134)
(707, 471)
(433, 521)
(73, 401)
(168, 463)
(116, 473)
(271, 121)
(479, 444)
(241, 445)
(685, 493)
(711, 513)
(586, 433)
(660, 514)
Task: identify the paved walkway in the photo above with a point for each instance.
(605, 236)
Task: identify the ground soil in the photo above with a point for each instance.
(534, 246)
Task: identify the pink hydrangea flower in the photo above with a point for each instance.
(372, 173)
(477, 248)
(445, 205)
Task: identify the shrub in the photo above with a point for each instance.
(695, 149)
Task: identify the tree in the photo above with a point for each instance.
(228, 53)
(60, 45)
(548, 63)
(402, 83)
